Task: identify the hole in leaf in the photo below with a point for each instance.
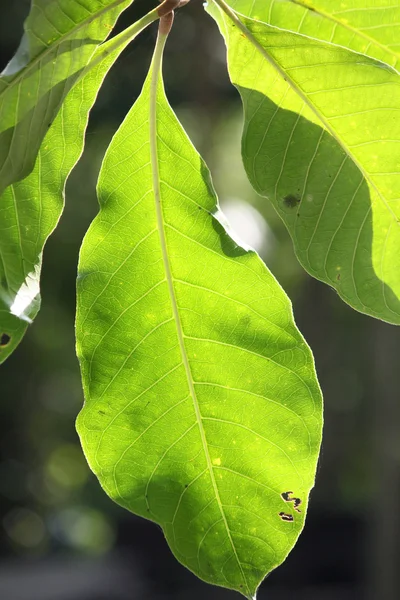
(286, 517)
(287, 497)
(5, 339)
(297, 503)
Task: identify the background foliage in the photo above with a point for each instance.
(58, 528)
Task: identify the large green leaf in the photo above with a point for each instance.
(202, 412)
(322, 142)
(30, 209)
(60, 38)
(367, 26)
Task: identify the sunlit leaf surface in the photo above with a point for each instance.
(30, 209)
(202, 409)
(322, 142)
(367, 26)
(60, 38)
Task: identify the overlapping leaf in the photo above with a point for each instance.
(367, 26)
(202, 409)
(60, 38)
(322, 141)
(30, 209)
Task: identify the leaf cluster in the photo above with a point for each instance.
(202, 407)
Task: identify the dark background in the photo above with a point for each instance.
(61, 538)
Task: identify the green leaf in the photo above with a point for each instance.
(31, 208)
(322, 141)
(202, 405)
(60, 38)
(367, 26)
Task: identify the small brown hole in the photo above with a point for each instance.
(286, 517)
(286, 496)
(5, 339)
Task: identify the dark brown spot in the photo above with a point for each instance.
(4, 340)
(291, 200)
(297, 503)
(286, 517)
(338, 276)
(286, 496)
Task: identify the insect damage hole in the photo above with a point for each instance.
(286, 517)
(297, 503)
(288, 497)
(5, 339)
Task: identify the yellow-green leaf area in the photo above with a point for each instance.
(367, 26)
(30, 208)
(60, 38)
(322, 141)
(202, 411)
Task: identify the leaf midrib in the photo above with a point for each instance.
(284, 74)
(54, 46)
(154, 82)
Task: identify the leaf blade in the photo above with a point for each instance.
(60, 39)
(31, 208)
(361, 26)
(184, 339)
(312, 113)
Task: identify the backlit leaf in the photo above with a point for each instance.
(60, 38)
(367, 26)
(202, 412)
(322, 142)
(30, 209)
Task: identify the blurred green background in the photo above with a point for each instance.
(61, 538)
